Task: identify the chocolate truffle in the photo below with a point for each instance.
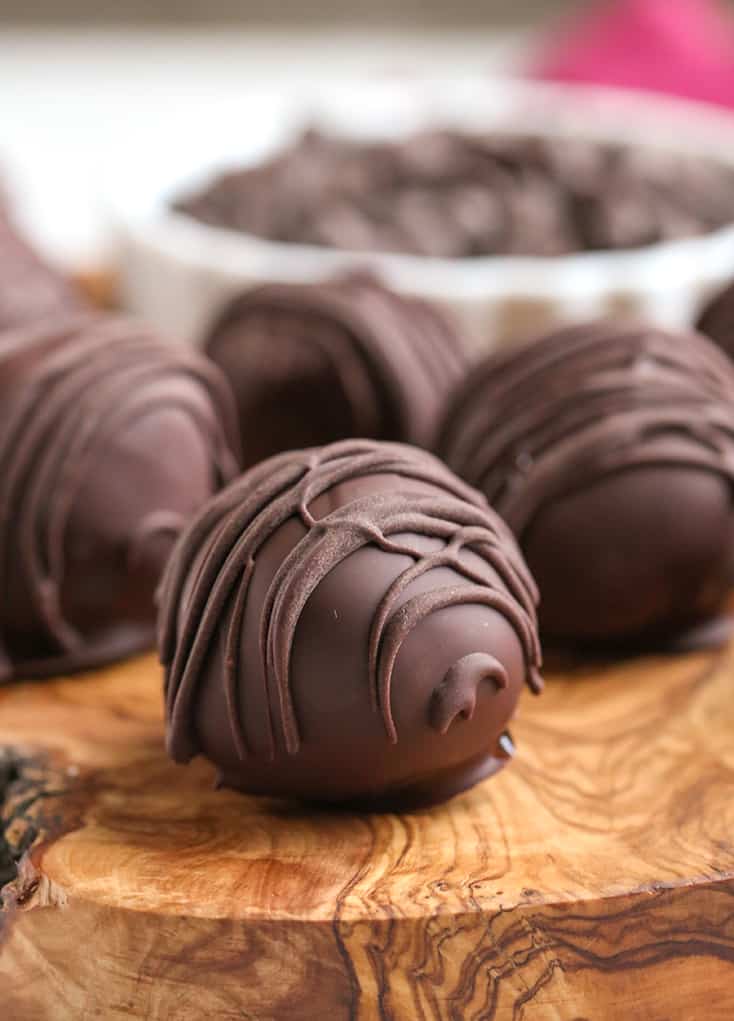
(109, 442)
(29, 288)
(347, 624)
(716, 319)
(609, 450)
(449, 194)
(310, 364)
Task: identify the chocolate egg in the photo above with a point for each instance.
(347, 624)
(310, 364)
(609, 450)
(109, 441)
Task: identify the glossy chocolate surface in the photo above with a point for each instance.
(109, 442)
(347, 624)
(609, 450)
(311, 364)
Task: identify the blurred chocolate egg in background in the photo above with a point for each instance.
(316, 363)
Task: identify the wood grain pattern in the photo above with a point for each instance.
(591, 881)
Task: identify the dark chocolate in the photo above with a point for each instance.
(448, 194)
(109, 442)
(311, 364)
(328, 623)
(716, 319)
(609, 450)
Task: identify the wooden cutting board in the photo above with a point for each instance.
(592, 881)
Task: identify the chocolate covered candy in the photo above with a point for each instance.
(609, 450)
(109, 441)
(310, 364)
(347, 624)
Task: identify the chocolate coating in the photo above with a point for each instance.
(30, 289)
(347, 624)
(609, 450)
(716, 319)
(109, 442)
(310, 364)
(448, 194)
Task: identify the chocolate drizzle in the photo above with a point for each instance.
(336, 359)
(209, 576)
(456, 695)
(549, 419)
(67, 390)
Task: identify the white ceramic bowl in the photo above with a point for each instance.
(177, 272)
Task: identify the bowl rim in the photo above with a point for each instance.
(394, 107)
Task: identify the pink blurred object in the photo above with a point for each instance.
(681, 47)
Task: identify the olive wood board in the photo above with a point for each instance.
(592, 880)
